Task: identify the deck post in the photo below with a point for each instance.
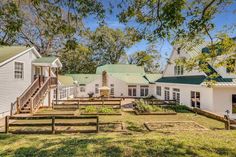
(227, 122)
(53, 124)
(18, 105)
(31, 106)
(11, 111)
(97, 127)
(56, 86)
(6, 124)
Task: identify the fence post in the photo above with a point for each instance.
(97, 127)
(11, 112)
(227, 122)
(18, 105)
(53, 124)
(6, 124)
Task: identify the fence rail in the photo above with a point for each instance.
(53, 123)
(87, 102)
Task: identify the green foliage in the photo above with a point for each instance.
(79, 60)
(48, 25)
(109, 44)
(10, 21)
(90, 109)
(178, 108)
(105, 110)
(142, 107)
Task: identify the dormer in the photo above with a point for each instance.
(173, 69)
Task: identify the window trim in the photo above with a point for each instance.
(158, 90)
(145, 89)
(14, 70)
(178, 70)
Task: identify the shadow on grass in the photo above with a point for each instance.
(116, 147)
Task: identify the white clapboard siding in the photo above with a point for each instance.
(11, 88)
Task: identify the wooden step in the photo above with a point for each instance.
(25, 111)
(233, 127)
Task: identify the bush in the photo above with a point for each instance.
(179, 108)
(141, 106)
(105, 110)
(90, 109)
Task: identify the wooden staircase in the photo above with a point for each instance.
(26, 107)
(33, 96)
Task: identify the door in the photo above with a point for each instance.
(234, 104)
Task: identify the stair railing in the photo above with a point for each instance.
(25, 96)
(39, 96)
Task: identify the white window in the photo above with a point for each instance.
(54, 94)
(179, 70)
(176, 95)
(82, 87)
(96, 88)
(112, 89)
(195, 99)
(167, 93)
(132, 90)
(62, 93)
(144, 91)
(19, 70)
(158, 90)
(72, 90)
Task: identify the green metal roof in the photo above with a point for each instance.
(120, 68)
(195, 80)
(153, 77)
(84, 78)
(65, 80)
(7, 52)
(130, 78)
(45, 60)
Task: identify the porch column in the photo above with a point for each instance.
(56, 85)
(49, 92)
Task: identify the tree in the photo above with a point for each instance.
(78, 60)
(145, 59)
(49, 24)
(109, 44)
(185, 24)
(10, 23)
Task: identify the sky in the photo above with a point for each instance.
(227, 17)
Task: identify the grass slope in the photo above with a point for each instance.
(136, 142)
(205, 143)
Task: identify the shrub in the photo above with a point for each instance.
(90, 109)
(179, 108)
(105, 110)
(141, 106)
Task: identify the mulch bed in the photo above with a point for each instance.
(174, 126)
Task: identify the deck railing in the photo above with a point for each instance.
(38, 97)
(21, 100)
(53, 81)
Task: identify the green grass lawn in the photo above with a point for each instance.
(137, 141)
(201, 143)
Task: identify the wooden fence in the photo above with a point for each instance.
(81, 103)
(52, 122)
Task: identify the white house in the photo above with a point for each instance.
(26, 79)
(123, 80)
(188, 88)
